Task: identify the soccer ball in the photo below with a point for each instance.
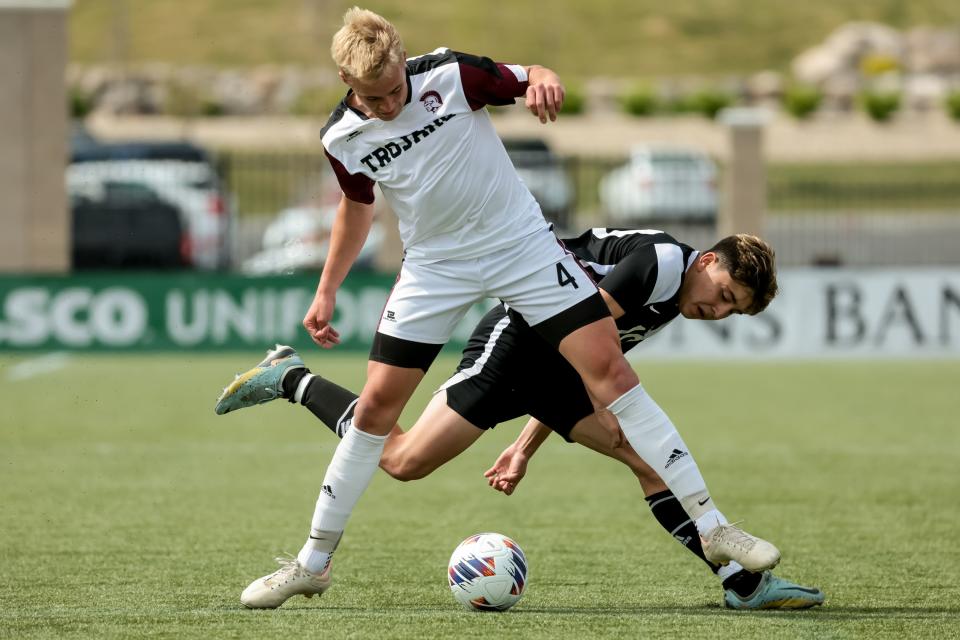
(488, 572)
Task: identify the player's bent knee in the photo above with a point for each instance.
(621, 375)
(376, 415)
(611, 372)
(600, 362)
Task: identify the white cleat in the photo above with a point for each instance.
(291, 579)
(728, 542)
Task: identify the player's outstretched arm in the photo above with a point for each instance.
(545, 93)
(510, 467)
(350, 228)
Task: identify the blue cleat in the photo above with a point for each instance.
(774, 593)
(261, 384)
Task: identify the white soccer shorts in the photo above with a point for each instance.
(536, 277)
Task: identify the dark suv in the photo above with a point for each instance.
(179, 173)
(129, 226)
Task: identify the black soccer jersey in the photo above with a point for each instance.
(508, 370)
(641, 269)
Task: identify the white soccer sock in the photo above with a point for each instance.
(353, 465)
(709, 520)
(653, 436)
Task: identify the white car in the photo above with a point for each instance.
(299, 238)
(180, 174)
(660, 182)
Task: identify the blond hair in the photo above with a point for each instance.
(751, 262)
(365, 44)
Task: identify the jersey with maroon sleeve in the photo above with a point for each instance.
(439, 163)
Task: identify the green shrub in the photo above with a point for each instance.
(710, 102)
(801, 101)
(211, 108)
(679, 103)
(881, 106)
(79, 103)
(639, 101)
(573, 102)
(953, 105)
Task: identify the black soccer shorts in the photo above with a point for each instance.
(508, 370)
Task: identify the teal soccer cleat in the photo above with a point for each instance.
(774, 593)
(261, 384)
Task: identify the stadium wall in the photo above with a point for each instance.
(820, 313)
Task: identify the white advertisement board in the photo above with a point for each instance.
(883, 313)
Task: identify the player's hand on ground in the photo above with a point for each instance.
(545, 97)
(317, 321)
(507, 472)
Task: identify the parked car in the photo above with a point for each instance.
(299, 238)
(80, 139)
(660, 182)
(544, 174)
(180, 173)
(127, 226)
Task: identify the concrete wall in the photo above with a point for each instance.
(34, 216)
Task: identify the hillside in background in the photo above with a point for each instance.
(614, 38)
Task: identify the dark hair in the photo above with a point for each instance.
(752, 263)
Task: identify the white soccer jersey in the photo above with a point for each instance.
(440, 163)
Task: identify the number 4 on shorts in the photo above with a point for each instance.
(564, 277)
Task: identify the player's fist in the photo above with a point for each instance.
(317, 321)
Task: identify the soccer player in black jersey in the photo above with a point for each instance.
(647, 279)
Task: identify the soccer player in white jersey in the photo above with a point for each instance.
(508, 371)
(471, 230)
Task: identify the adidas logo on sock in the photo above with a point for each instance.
(328, 490)
(674, 456)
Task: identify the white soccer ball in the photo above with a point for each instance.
(488, 572)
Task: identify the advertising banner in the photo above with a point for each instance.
(126, 311)
(824, 313)
(819, 313)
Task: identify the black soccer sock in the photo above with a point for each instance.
(743, 582)
(671, 516)
(328, 401)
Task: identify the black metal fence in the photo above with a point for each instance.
(853, 214)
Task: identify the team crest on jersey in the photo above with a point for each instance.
(431, 101)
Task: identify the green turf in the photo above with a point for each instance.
(130, 510)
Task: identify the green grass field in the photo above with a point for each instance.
(130, 510)
(624, 38)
